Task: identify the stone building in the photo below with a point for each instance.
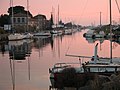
(40, 21)
(20, 22)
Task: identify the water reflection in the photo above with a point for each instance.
(28, 72)
(18, 50)
(91, 40)
(3, 47)
(41, 41)
(12, 64)
(116, 41)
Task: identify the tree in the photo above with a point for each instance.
(51, 21)
(69, 24)
(18, 9)
(4, 19)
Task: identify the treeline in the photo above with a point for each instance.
(4, 19)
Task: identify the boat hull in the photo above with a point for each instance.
(14, 37)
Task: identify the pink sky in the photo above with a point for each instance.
(84, 12)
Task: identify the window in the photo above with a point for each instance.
(18, 20)
(14, 20)
(23, 20)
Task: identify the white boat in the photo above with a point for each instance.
(15, 36)
(42, 34)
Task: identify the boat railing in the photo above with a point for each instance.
(102, 67)
(60, 66)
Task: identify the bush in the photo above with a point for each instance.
(2, 31)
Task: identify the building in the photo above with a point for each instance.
(20, 22)
(40, 21)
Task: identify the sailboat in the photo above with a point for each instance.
(96, 66)
(61, 72)
(13, 36)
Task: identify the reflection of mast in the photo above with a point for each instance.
(110, 32)
(53, 44)
(29, 67)
(39, 45)
(12, 69)
(12, 74)
(59, 47)
(58, 37)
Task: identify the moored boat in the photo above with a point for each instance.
(42, 34)
(15, 36)
(84, 72)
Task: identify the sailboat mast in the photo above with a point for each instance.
(27, 15)
(58, 14)
(100, 20)
(110, 32)
(12, 14)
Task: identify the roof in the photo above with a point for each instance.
(40, 16)
(20, 15)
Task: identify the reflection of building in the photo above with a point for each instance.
(41, 41)
(3, 47)
(18, 50)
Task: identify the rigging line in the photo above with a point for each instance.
(117, 5)
(84, 8)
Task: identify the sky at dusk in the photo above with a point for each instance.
(83, 12)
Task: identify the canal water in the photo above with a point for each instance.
(24, 65)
